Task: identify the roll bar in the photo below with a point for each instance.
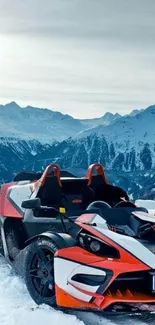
(47, 171)
(100, 171)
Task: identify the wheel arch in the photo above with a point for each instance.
(61, 240)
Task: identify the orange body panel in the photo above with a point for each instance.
(6, 208)
(65, 300)
(127, 263)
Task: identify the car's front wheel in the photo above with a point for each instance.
(39, 271)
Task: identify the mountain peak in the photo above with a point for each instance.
(108, 114)
(12, 105)
(111, 115)
(135, 112)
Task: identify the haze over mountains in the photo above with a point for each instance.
(46, 125)
(31, 138)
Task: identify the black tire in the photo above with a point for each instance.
(39, 256)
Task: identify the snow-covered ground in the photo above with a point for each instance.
(148, 204)
(17, 308)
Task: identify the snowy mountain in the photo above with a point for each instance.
(45, 125)
(125, 145)
(16, 155)
(106, 119)
(34, 123)
(130, 141)
(127, 123)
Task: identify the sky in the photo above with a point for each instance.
(80, 57)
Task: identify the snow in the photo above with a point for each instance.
(148, 204)
(33, 153)
(17, 308)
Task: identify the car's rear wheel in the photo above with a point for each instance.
(39, 271)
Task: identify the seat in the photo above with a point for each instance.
(107, 192)
(104, 191)
(51, 192)
(76, 195)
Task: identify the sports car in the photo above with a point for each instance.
(80, 242)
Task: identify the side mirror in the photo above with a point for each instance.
(31, 204)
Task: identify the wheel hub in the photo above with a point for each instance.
(45, 272)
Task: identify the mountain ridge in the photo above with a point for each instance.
(125, 147)
(45, 125)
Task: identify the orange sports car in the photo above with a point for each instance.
(79, 242)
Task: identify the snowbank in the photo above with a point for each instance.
(148, 204)
(17, 308)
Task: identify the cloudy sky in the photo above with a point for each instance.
(81, 57)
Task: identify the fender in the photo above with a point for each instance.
(60, 239)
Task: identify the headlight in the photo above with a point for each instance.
(95, 246)
(90, 243)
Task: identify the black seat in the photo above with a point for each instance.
(51, 192)
(76, 194)
(107, 192)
